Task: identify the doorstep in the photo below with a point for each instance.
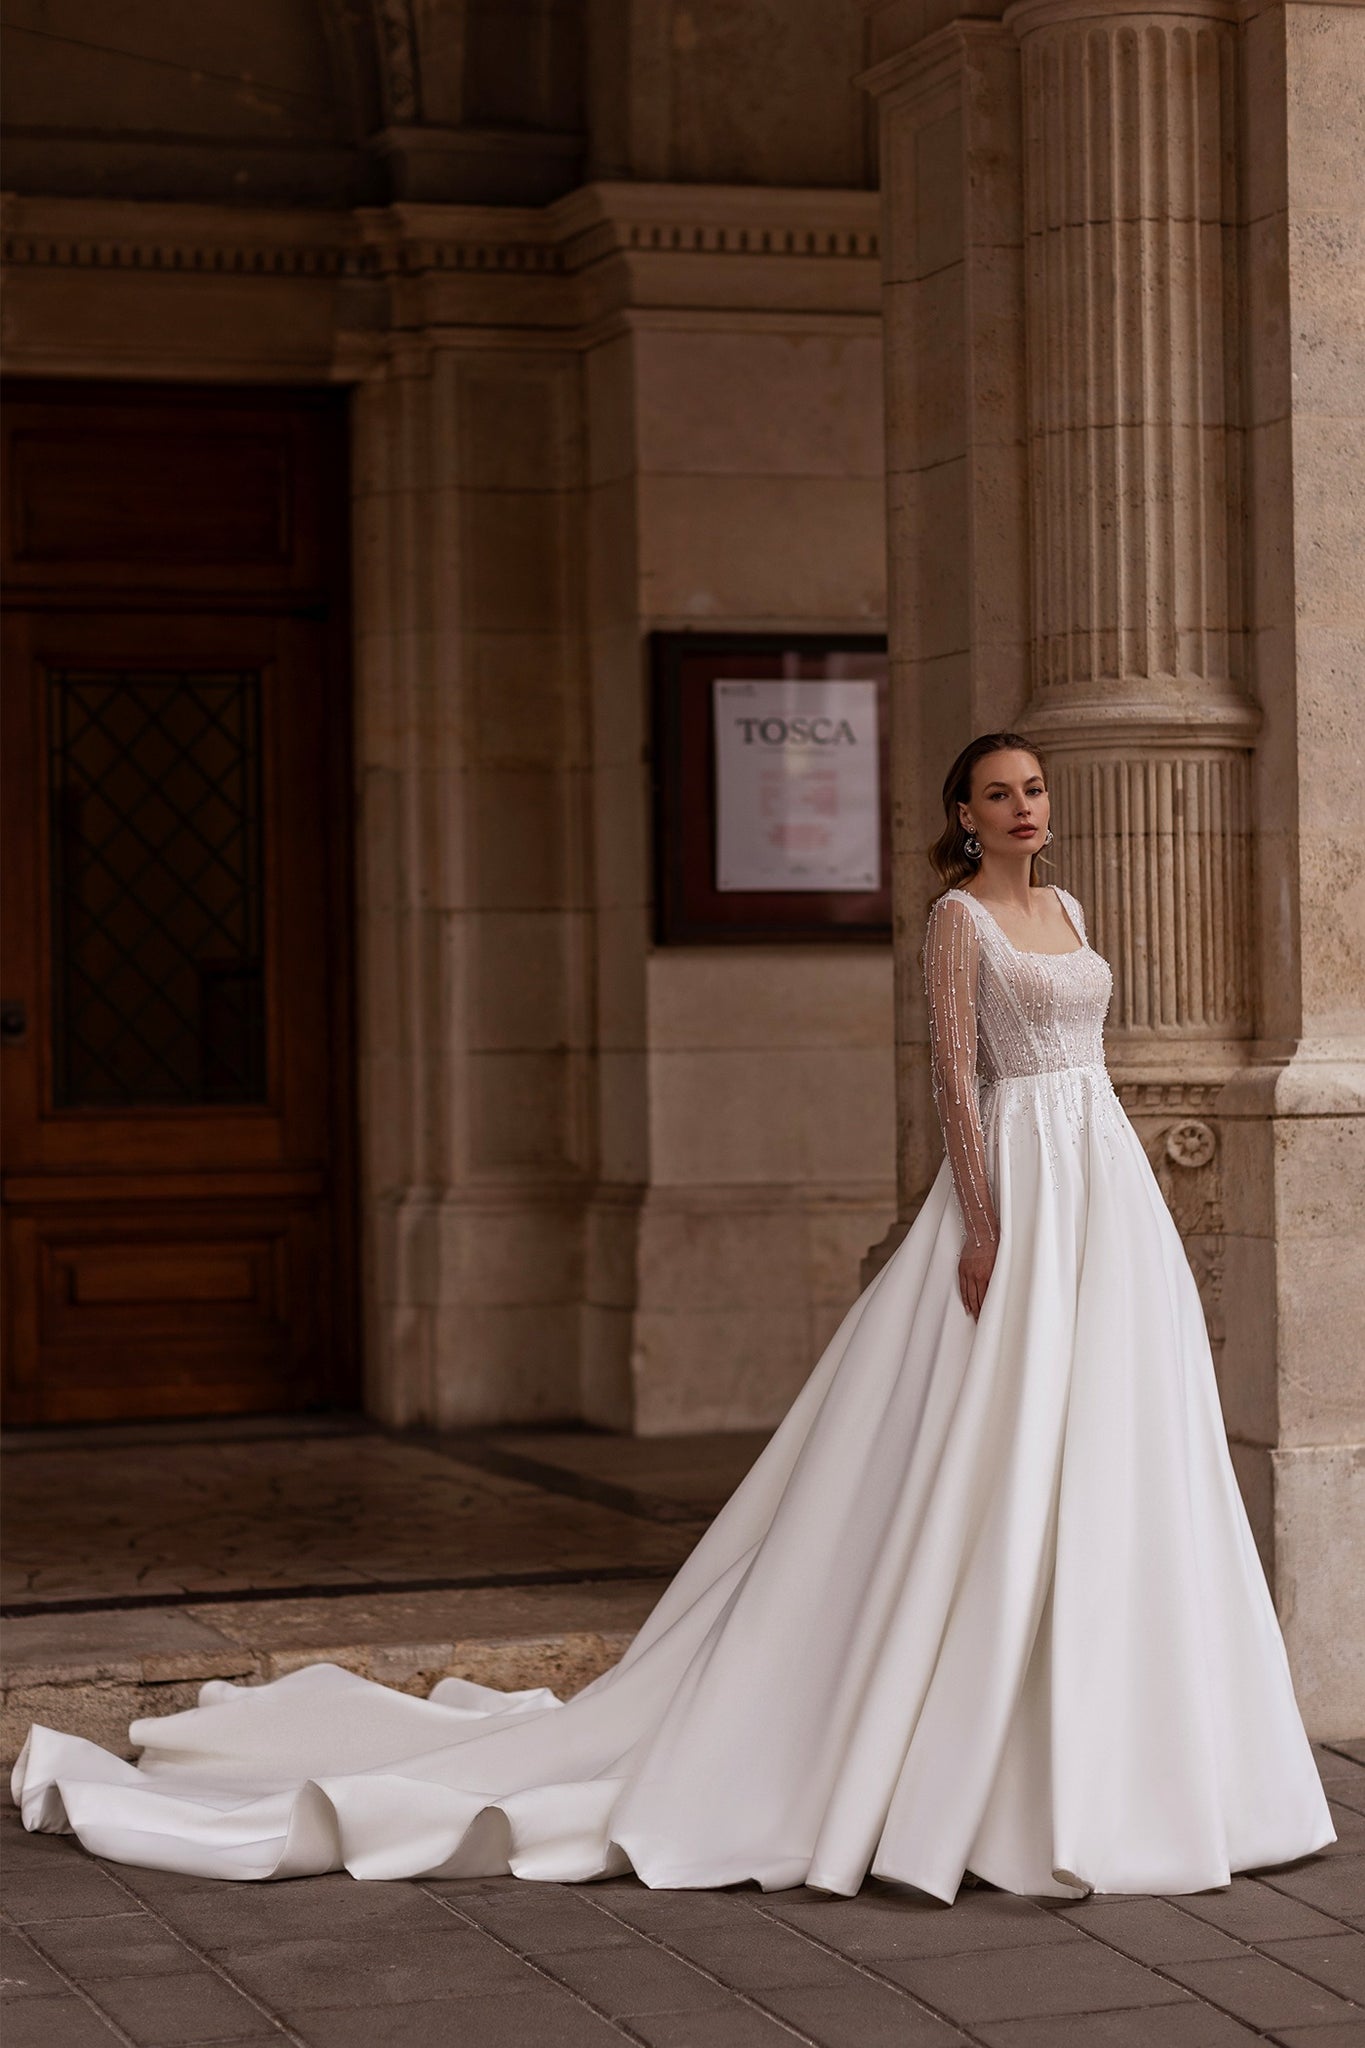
(92, 1673)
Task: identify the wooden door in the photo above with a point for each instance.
(174, 959)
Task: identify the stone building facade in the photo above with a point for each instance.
(610, 289)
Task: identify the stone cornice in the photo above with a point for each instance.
(80, 234)
(587, 228)
(925, 67)
(714, 220)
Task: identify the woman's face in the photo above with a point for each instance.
(1009, 809)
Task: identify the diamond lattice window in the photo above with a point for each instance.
(157, 910)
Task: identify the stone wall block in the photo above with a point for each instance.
(1325, 109)
(787, 1116)
(1319, 1515)
(516, 429)
(717, 1369)
(1248, 1382)
(519, 717)
(926, 365)
(718, 998)
(710, 1253)
(519, 994)
(754, 548)
(505, 1364)
(725, 402)
(511, 544)
(509, 1255)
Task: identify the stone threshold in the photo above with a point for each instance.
(92, 1673)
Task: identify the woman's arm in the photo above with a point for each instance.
(952, 951)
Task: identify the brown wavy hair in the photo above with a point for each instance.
(947, 854)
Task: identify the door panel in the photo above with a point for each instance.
(176, 1111)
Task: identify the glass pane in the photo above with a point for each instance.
(157, 913)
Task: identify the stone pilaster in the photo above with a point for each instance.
(473, 942)
(1293, 1121)
(957, 505)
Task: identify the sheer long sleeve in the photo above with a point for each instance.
(952, 951)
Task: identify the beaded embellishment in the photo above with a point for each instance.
(1015, 1038)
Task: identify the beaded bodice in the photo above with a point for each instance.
(998, 1013)
(1036, 1012)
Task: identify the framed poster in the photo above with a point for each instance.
(771, 788)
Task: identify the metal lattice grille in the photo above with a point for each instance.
(157, 912)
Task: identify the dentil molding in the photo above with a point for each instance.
(571, 236)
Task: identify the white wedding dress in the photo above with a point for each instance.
(988, 1602)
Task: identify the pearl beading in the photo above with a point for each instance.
(999, 1015)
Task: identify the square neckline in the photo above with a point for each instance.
(1030, 952)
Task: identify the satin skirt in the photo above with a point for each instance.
(988, 1602)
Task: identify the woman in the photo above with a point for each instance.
(988, 1603)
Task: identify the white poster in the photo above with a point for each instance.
(797, 787)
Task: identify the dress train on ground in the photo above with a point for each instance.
(988, 1601)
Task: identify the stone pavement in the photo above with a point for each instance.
(140, 1561)
(99, 1953)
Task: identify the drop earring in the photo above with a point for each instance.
(971, 846)
(1048, 840)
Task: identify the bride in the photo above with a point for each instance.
(988, 1603)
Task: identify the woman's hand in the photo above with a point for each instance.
(974, 1271)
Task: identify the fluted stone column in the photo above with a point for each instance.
(1138, 687)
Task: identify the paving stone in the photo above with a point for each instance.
(55, 2023)
(385, 1969)
(48, 1877)
(538, 2017)
(885, 1923)
(757, 1954)
(1336, 1960)
(636, 1979)
(149, 1643)
(181, 2011)
(1190, 2024)
(865, 2015)
(114, 1945)
(544, 1926)
(1251, 1911)
(646, 1909)
(227, 1914)
(23, 1972)
(738, 2026)
(1349, 1823)
(1149, 1930)
(1334, 1884)
(1348, 1792)
(1342, 1779)
(1026, 1983)
(1336, 1758)
(1261, 1992)
(1343, 2034)
(348, 1512)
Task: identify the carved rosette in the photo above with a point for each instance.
(1135, 461)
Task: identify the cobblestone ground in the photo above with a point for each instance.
(97, 1953)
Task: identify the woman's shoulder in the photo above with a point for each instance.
(954, 924)
(951, 906)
